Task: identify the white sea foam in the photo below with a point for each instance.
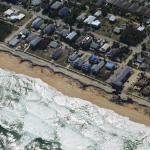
(34, 115)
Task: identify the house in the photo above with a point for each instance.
(140, 59)
(20, 16)
(98, 13)
(113, 52)
(104, 48)
(117, 30)
(112, 19)
(14, 42)
(89, 19)
(93, 59)
(110, 66)
(30, 38)
(73, 57)
(49, 29)
(84, 42)
(100, 2)
(54, 44)
(146, 91)
(8, 12)
(97, 67)
(15, 17)
(141, 28)
(94, 46)
(24, 33)
(35, 2)
(124, 74)
(64, 33)
(81, 17)
(56, 54)
(56, 5)
(86, 68)
(35, 42)
(64, 12)
(72, 36)
(37, 23)
(77, 63)
(96, 24)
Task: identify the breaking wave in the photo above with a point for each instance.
(34, 115)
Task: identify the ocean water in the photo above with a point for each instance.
(35, 116)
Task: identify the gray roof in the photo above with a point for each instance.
(122, 76)
(35, 41)
(132, 7)
(94, 45)
(35, 2)
(14, 42)
(38, 19)
(81, 17)
(49, 29)
(64, 33)
(56, 5)
(89, 19)
(71, 35)
(96, 68)
(53, 44)
(100, 2)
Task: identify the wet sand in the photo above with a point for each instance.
(69, 87)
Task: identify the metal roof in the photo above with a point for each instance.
(56, 5)
(14, 42)
(71, 35)
(122, 76)
(35, 41)
(89, 19)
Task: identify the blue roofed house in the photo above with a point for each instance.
(49, 29)
(64, 12)
(93, 59)
(110, 65)
(86, 68)
(56, 54)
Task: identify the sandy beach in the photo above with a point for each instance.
(69, 87)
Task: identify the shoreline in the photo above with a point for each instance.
(62, 83)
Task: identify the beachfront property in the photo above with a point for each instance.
(117, 83)
(90, 42)
(87, 49)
